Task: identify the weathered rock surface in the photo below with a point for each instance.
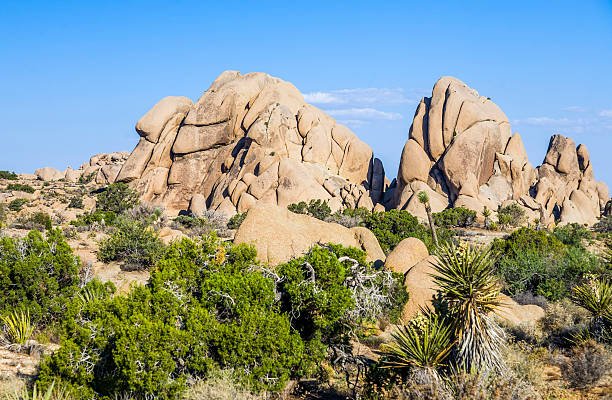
(101, 168)
(250, 139)
(462, 152)
(279, 235)
(405, 255)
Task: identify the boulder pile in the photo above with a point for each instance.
(102, 168)
(250, 139)
(461, 151)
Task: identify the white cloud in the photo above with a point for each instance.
(578, 109)
(605, 113)
(365, 113)
(542, 121)
(353, 123)
(366, 96)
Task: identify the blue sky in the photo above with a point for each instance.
(76, 76)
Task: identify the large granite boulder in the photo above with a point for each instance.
(279, 235)
(250, 139)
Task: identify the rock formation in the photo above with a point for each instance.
(101, 168)
(250, 139)
(462, 152)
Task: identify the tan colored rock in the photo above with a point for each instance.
(368, 242)
(517, 314)
(136, 164)
(197, 205)
(49, 174)
(415, 163)
(151, 125)
(279, 235)
(168, 235)
(421, 287)
(405, 255)
(72, 175)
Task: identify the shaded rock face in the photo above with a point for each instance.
(250, 139)
(462, 152)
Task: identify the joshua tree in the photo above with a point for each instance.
(424, 199)
(467, 283)
(486, 213)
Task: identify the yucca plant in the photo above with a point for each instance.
(424, 199)
(423, 346)
(37, 394)
(18, 328)
(596, 297)
(90, 295)
(471, 291)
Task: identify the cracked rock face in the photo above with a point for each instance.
(462, 152)
(250, 139)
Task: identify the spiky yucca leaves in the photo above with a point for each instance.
(596, 297)
(423, 346)
(18, 328)
(466, 280)
(36, 394)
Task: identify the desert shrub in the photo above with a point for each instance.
(76, 202)
(332, 289)
(40, 221)
(572, 234)
(148, 214)
(222, 385)
(117, 197)
(201, 225)
(511, 215)
(236, 220)
(586, 364)
(455, 217)
(538, 262)
(84, 179)
(205, 307)
(12, 176)
(350, 217)
(604, 225)
(132, 243)
(38, 274)
(391, 227)
(315, 208)
(106, 218)
(20, 187)
(527, 298)
(17, 204)
(3, 213)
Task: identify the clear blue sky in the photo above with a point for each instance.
(76, 76)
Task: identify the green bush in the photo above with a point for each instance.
(17, 204)
(511, 215)
(236, 220)
(88, 219)
(2, 215)
(455, 217)
(209, 305)
(38, 274)
(39, 221)
(391, 227)
(315, 208)
(76, 202)
(12, 176)
(84, 179)
(117, 197)
(204, 308)
(20, 187)
(133, 243)
(572, 234)
(537, 262)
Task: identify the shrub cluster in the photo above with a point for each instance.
(11, 176)
(17, 204)
(456, 217)
(511, 215)
(133, 243)
(76, 202)
(315, 208)
(40, 221)
(20, 187)
(37, 273)
(538, 262)
(391, 227)
(210, 305)
(236, 220)
(117, 197)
